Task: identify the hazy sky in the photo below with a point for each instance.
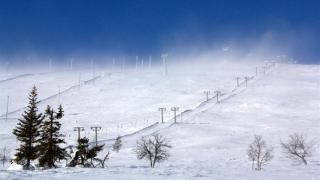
(63, 28)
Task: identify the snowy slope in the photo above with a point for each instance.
(120, 102)
(210, 141)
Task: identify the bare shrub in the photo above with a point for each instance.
(153, 148)
(4, 155)
(297, 148)
(259, 153)
(101, 162)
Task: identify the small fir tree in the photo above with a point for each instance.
(85, 153)
(28, 132)
(117, 144)
(50, 151)
(60, 112)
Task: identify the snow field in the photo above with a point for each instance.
(210, 142)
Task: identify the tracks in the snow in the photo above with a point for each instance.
(15, 77)
(55, 95)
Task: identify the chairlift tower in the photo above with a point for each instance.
(246, 80)
(164, 61)
(113, 65)
(264, 69)
(50, 65)
(142, 63)
(238, 81)
(218, 93)
(79, 81)
(162, 110)
(78, 129)
(175, 110)
(207, 95)
(7, 108)
(92, 68)
(71, 64)
(59, 94)
(96, 129)
(150, 62)
(137, 58)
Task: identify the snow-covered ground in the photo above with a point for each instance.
(120, 102)
(210, 140)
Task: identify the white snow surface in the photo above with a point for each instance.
(210, 139)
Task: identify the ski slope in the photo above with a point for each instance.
(210, 139)
(122, 102)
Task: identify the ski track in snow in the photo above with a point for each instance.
(52, 96)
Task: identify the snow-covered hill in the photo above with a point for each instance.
(210, 139)
(120, 102)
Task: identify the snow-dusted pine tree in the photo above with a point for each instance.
(28, 132)
(60, 112)
(117, 144)
(49, 148)
(85, 154)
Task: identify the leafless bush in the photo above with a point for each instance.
(259, 153)
(101, 162)
(153, 148)
(4, 155)
(297, 148)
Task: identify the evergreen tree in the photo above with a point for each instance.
(28, 132)
(60, 112)
(85, 153)
(117, 144)
(50, 152)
